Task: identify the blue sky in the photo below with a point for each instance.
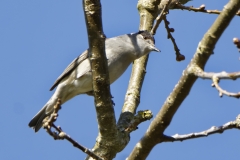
(38, 39)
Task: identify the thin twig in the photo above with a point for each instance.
(159, 18)
(59, 134)
(216, 78)
(215, 84)
(213, 130)
(200, 9)
(179, 56)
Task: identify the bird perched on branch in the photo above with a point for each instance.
(76, 79)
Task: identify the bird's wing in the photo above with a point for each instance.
(70, 68)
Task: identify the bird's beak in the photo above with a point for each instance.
(155, 49)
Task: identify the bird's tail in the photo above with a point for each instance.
(36, 122)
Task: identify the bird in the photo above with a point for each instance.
(76, 79)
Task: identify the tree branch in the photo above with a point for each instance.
(139, 118)
(179, 56)
(184, 85)
(215, 84)
(200, 9)
(101, 89)
(221, 75)
(163, 16)
(163, 7)
(213, 130)
(59, 134)
(148, 11)
(216, 78)
(160, 18)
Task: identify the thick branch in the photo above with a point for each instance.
(183, 87)
(101, 88)
(213, 130)
(148, 10)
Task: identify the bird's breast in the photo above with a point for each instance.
(117, 66)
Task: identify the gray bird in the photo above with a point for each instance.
(76, 79)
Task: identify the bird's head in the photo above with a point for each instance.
(145, 42)
(148, 37)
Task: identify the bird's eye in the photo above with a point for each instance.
(149, 41)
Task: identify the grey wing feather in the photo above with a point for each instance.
(70, 68)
